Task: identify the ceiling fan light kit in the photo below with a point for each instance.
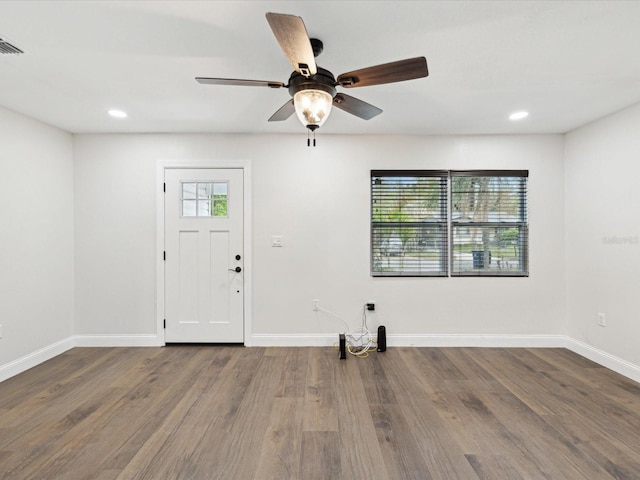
(312, 88)
(312, 107)
(313, 96)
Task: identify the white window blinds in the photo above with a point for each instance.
(408, 223)
(489, 226)
(441, 223)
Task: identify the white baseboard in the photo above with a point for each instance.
(293, 340)
(30, 360)
(477, 340)
(452, 340)
(605, 359)
(118, 341)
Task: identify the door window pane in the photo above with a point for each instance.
(204, 208)
(188, 190)
(204, 199)
(220, 197)
(188, 208)
(204, 190)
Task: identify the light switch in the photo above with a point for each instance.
(276, 240)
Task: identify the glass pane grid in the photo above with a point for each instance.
(204, 199)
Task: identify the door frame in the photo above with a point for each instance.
(163, 165)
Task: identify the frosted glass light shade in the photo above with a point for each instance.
(312, 106)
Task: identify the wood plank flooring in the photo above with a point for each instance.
(234, 413)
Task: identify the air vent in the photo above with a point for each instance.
(8, 49)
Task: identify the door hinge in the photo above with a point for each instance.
(164, 324)
(164, 187)
(164, 255)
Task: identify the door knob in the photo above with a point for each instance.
(237, 269)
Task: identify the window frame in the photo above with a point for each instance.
(210, 200)
(448, 267)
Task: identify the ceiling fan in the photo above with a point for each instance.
(312, 88)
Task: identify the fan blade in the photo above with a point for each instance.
(355, 107)
(292, 36)
(386, 73)
(238, 82)
(283, 112)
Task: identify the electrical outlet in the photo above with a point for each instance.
(315, 305)
(602, 320)
(276, 240)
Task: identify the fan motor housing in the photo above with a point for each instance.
(322, 80)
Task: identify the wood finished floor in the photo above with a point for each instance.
(300, 413)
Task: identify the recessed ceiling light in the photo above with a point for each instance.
(117, 113)
(518, 115)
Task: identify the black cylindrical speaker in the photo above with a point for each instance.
(382, 338)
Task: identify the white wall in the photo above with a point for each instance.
(603, 233)
(36, 236)
(321, 204)
(318, 200)
(115, 231)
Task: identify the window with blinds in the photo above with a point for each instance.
(441, 223)
(409, 223)
(489, 227)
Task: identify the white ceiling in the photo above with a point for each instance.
(566, 62)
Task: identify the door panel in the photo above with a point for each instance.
(219, 253)
(204, 294)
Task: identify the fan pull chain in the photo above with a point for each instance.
(309, 138)
(311, 128)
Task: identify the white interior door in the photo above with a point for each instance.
(204, 259)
